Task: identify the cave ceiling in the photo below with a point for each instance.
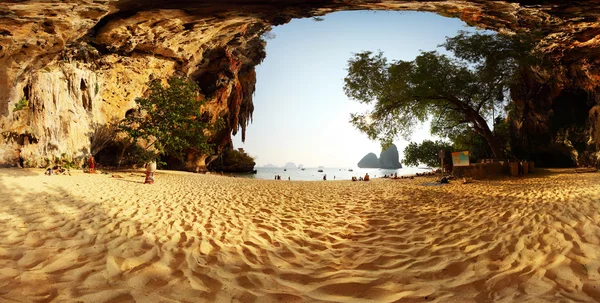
(34, 29)
(117, 46)
(30, 31)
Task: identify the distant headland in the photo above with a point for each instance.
(388, 159)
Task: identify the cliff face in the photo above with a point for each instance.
(389, 158)
(370, 160)
(75, 68)
(79, 62)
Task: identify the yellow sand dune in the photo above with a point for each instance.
(196, 238)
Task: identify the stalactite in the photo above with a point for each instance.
(248, 82)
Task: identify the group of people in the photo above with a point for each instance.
(366, 178)
(278, 177)
(57, 170)
(426, 174)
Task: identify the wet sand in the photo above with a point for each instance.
(197, 238)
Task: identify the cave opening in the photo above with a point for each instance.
(109, 155)
(570, 109)
(300, 105)
(130, 112)
(570, 112)
(85, 95)
(26, 92)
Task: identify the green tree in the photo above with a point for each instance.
(169, 119)
(425, 153)
(467, 139)
(233, 160)
(458, 93)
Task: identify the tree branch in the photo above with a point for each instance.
(458, 123)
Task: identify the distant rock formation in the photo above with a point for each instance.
(269, 166)
(389, 158)
(369, 161)
(300, 166)
(290, 165)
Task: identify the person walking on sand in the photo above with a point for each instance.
(324, 177)
(150, 170)
(92, 165)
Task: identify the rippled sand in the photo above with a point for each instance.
(196, 238)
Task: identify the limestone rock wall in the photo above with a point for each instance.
(95, 77)
(57, 53)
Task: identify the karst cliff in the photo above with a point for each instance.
(65, 66)
(388, 159)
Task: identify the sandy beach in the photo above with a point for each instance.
(203, 238)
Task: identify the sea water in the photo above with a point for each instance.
(312, 173)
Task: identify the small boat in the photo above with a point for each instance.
(320, 170)
(350, 169)
(302, 168)
(284, 169)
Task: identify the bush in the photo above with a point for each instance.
(236, 157)
(425, 153)
(233, 161)
(23, 103)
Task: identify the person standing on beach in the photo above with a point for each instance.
(21, 161)
(92, 165)
(150, 169)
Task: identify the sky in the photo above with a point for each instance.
(301, 113)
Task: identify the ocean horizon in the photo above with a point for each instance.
(332, 173)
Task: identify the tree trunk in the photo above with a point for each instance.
(480, 126)
(483, 129)
(125, 146)
(495, 146)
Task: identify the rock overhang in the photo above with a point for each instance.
(122, 44)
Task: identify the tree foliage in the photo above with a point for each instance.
(457, 92)
(425, 153)
(232, 157)
(169, 119)
(467, 139)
